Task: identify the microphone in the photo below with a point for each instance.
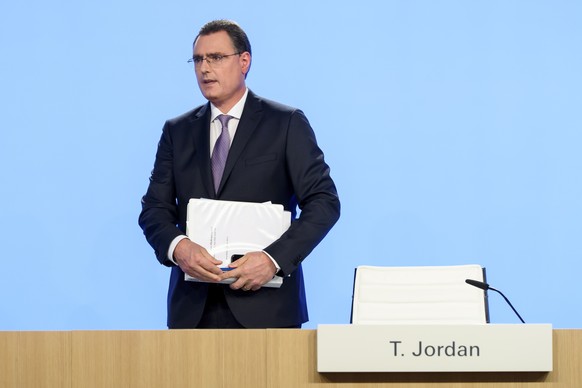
(478, 284)
(484, 286)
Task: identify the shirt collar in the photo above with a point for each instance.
(235, 111)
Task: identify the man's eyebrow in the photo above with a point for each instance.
(207, 54)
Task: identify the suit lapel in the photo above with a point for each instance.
(201, 129)
(250, 119)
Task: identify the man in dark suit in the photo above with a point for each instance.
(272, 155)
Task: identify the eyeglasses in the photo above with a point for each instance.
(212, 59)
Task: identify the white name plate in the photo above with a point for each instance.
(434, 348)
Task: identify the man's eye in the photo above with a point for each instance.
(198, 59)
(214, 57)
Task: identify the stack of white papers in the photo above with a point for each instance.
(228, 228)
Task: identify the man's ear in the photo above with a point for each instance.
(245, 62)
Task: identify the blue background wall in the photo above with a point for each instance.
(453, 129)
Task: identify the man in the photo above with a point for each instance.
(271, 155)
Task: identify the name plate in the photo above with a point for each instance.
(434, 348)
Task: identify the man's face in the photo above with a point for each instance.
(222, 83)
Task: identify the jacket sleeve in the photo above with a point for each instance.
(316, 194)
(159, 214)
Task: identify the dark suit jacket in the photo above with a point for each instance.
(273, 157)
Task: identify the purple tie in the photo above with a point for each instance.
(220, 152)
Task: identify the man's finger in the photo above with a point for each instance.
(201, 274)
(239, 262)
(233, 273)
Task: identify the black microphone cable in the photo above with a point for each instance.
(485, 287)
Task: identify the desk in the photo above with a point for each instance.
(229, 358)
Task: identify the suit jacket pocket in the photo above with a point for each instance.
(261, 159)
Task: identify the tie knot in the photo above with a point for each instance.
(224, 119)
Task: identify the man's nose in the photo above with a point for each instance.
(204, 66)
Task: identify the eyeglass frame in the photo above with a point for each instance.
(217, 60)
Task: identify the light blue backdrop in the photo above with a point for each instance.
(453, 129)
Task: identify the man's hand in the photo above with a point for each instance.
(251, 271)
(195, 260)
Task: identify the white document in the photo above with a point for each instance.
(227, 228)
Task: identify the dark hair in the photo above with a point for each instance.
(239, 38)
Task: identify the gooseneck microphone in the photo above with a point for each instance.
(485, 287)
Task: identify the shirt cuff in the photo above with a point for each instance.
(274, 262)
(172, 247)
